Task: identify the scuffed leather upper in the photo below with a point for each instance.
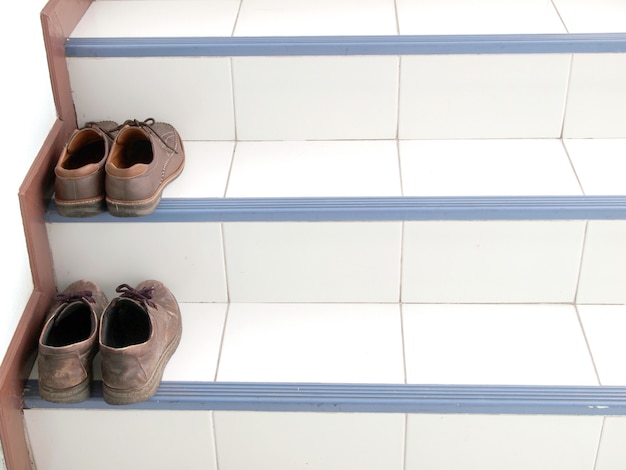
(80, 169)
(133, 175)
(64, 366)
(128, 367)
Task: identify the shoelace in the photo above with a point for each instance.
(84, 295)
(145, 124)
(144, 295)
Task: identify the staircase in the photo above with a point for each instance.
(398, 241)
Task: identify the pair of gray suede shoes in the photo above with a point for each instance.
(136, 334)
(122, 168)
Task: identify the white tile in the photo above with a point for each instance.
(195, 359)
(496, 442)
(504, 167)
(133, 252)
(491, 261)
(600, 164)
(611, 451)
(149, 18)
(313, 261)
(478, 17)
(164, 88)
(315, 169)
(482, 96)
(604, 327)
(511, 344)
(316, 98)
(599, 16)
(329, 441)
(596, 101)
(337, 343)
(316, 18)
(602, 277)
(207, 165)
(63, 439)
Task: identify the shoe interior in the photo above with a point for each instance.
(126, 324)
(136, 148)
(91, 150)
(73, 325)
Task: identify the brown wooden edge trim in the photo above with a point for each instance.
(58, 18)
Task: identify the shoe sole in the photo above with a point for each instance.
(74, 394)
(119, 208)
(82, 208)
(115, 396)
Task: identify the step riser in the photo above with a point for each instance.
(414, 261)
(162, 440)
(360, 97)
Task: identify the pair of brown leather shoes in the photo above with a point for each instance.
(136, 333)
(123, 168)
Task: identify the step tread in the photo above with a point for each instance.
(382, 179)
(145, 18)
(484, 348)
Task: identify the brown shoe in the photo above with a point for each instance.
(140, 331)
(79, 184)
(68, 343)
(145, 157)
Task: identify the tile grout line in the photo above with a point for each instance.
(215, 448)
(223, 336)
(566, 100)
(580, 262)
(595, 460)
(230, 170)
(405, 443)
(559, 15)
(593, 361)
(232, 33)
(403, 343)
(571, 164)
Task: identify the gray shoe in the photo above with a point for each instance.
(139, 332)
(68, 343)
(79, 183)
(145, 157)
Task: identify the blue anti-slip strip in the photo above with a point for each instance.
(373, 209)
(366, 398)
(346, 45)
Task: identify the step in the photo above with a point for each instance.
(368, 221)
(400, 358)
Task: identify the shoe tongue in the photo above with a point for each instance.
(81, 171)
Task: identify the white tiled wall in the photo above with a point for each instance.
(482, 96)
(611, 451)
(602, 277)
(596, 102)
(491, 261)
(284, 441)
(124, 440)
(228, 440)
(468, 442)
(316, 98)
(131, 253)
(313, 262)
(164, 88)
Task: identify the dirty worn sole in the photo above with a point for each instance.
(82, 208)
(74, 394)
